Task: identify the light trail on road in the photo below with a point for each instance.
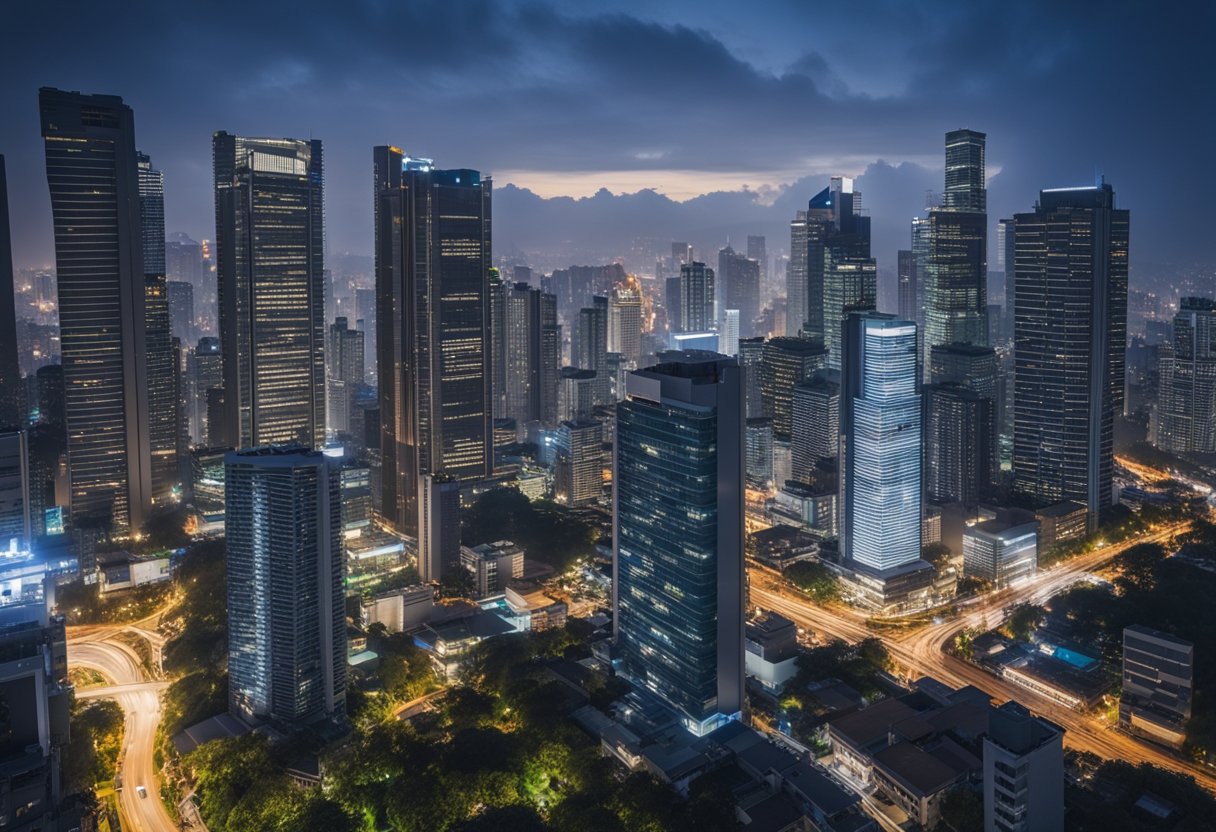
(920, 651)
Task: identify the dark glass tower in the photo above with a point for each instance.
(532, 340)
(286, 605)
(269, 230)
(697, 293)
(163, 406)
(955, 274)
(93, 175)
(739, 278)
(432, 284)
(10, 370)
(1070, 339)
(593, 346)
(678, 535)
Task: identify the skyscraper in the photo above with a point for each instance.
(840, 274)
(751, 356)
(438, 526)
(959, 443)
(579, 469)
(1185, 413)
(785, 362)
(796, 288)
(739, 279)
(880, 445)
(269, 230)
(345, 362)
(286, 605)
(908, 292)
(697, 298)
(10, 370)
(1070, 337)
(815, 428)
(955, 278)
(625, 321)
(164, 415)
(93, 176)
(593, 345)
(850, 284)
(757, 250)
(728, 333)
(532, 341)
(678, 585)
(433, 357)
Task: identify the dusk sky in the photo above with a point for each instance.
(686, 98)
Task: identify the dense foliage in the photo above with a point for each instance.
(815, 579)
(860, 666)
(91, 754)
(548, 532)
(197, 640)
(499, 752)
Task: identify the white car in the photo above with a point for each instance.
(141, 791)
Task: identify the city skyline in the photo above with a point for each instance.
(829, 110)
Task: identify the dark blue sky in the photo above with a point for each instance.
(683, 97)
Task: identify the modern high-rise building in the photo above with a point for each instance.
(796, 288)
(181, 310)
(880, 448)
(1184, 419)
(10, 369)
(579, 467)
(345, 371)
(751, 355)
(532, 355)
(576, 394)
(164, 413)
(785, 362)
(850, 284)
(678, 587)
(698, 298)
(1158, 681)
(15, 483)
(438, 526)
(1070, 338)
(592, 345)
(93, 175)
(270, 239)
(205, 371)
(759, 451)
(955, 276)
(908, 292)
(286, 573)
(815, 429)
(625, 321)
(434, 362)
(496, 291)
(738, 279)
(757, 250)
(1001, 552)
(1023, 772)
(728, 333)
(839, 273)
(959, 443)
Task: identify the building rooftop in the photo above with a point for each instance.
(920, 771)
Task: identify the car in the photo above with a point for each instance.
(141, 791)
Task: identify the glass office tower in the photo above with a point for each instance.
(164, 409)
(1070, 339)
(433, 311)
(10, 369)
(286, 605)
(269, 229)
(93, 176)
(678, 585)
(880, 426)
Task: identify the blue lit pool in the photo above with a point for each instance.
(1072, 657)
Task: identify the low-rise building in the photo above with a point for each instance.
(1158, 677)
(771, 645)
(448, 643)
(1061, 523)
(780, 546)
(1000, 553)
(493, 565)
(399, 609)
(539, 611)
(123, 570)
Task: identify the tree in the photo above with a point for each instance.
(935, 553)
(815, 579)
(1138, 567)
(962, 811)
(1024, 620)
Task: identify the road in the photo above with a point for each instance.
(139, 698)
(920, 651)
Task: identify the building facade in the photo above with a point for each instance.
(678, 535)
(286, 605)
(270, 244)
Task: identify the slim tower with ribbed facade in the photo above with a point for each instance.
(1070, 340)
(286, 604)
(164, 411)
(433, 231)
(270, 239)
(679, 592)
(93, 174)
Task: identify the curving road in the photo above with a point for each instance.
(139, 699)
(920, 651)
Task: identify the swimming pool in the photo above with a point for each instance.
(1072, 657)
